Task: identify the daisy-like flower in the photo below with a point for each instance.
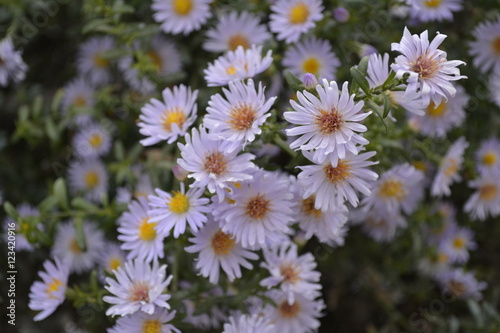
(217, 250)
(449, 168)
(261, 211)
(176, 210)
(12, 66)
(434, 10)
(139, 234)
(211, 165)
(299, 317)
(236, 29)
(140, 322)
(398, 189)
(90, 177)
(336, 180)
(78, 93)
(90, 60)
(488, 156)
(430, 71)
(92, 141)
(434, 264)
(181, 16)
(292, 18)
(66, 246)
(457, 244)
(239, 115)
(380, 225)
(237, 65)
(169, 119)
(314, 56)
(494, 87)
(293, 273)
(112, 257)
(25, 211)
(486, 200)
(438, 120)
(462, 284)
(328, 124)
(486, 48)
(248, 324)
(46, 296)
(138, 286)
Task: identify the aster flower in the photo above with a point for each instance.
(237, 65)
(90, 177)
(379, 224)
(299, 317)
(434, 10)
(47, 295)
(457, 243)
(486, 48)
(446, 212)
(486, 200)
(328, 124)
(290, 19)
(140, 322)
(78, 93)
(138, 286)
(176, 210)
(211, 165)
(217, 250)
(488, 156)
(462, 284)
(261, 211)
(236, 29)
(449, 168)
(112, 257)
(239, 115)
(139, 234)
(12, 66)
(90, 60)
(92, 141)
(494, 87)
(293, 273)
(181, 16)
(66, 246)
(169, 119)
(430, 71)
(314, 56)
(25, 211)
(249, 324)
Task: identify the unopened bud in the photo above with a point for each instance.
(310, 81)
(366, 50)
(341, 14)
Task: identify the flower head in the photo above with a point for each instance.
(486, 48)
(12, 66)
(449, 169)
(91, 61)
(181, 16)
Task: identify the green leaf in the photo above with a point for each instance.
(387, 105)
(82, 204)
(475, 310)
(60, 193)
(363, 65)
(389, 79)
(80, 234)
(11, 210)
(48, 204)
(293, 81)
(51, 130)
(378, 111)
(94, 25)
(360, 80)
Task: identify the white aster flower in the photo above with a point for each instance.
(291, 18)
(181, 16)
(261, 212)
(90, 177)
(211, 165)
(293, 273)
(26, 212)
(237, 65)
(488, 156)
(379, 224)
(46, 296)
(462, 284)
(314, 56)
(169, 119)
(112, 257)
(456, 245)
(299, 317)
(486, 200)
(430, 71)
(486, 48)
(248, 324)
(236, 29)
(217, 250)
(139, 234)
(239, 115)
(335, 181)
(138, 286)
(91, 62)
(92, 141)
(12, 66)
(78, 93)
(434, 10)
(140, 322)
(66, 246)
(449, 168)
(176, 210)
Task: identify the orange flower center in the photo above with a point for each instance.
(257, 207)
(222, 243)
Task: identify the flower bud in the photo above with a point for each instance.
(310, 81)
(341, 14)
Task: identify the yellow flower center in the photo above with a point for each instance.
(95, 140)
(155, 58)
(452, 167)
(328, 122)
(147, 230)
(179, 203)
(238, 40)
(289, 273)
(231, 70)
(114, 263)
(419, 165)
(311, 65)
(73, 246)
(308, 207)
(392, 188)
(496, 45)
(79, 101)
(490, 158)
(241, 117)
(182, 7)
(436, 111)
(289, 311)
(299, 13)
(432, 3)
(151, 326)
(459, 242)
(457, 287)
(222, 243)
(52, 287)
(170, 117)
(139, 292)
(257, 207)
(442, 258)
(91, 179)
(215, 163)
(488, 192)
(100, 61)
(337, 174)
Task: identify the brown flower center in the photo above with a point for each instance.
(215, 163)
(289, 311)
(222, 243)
(257, 207)
(337, 174)
(308, 207)
(241, 117)
(427, 66)
(328, 122)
